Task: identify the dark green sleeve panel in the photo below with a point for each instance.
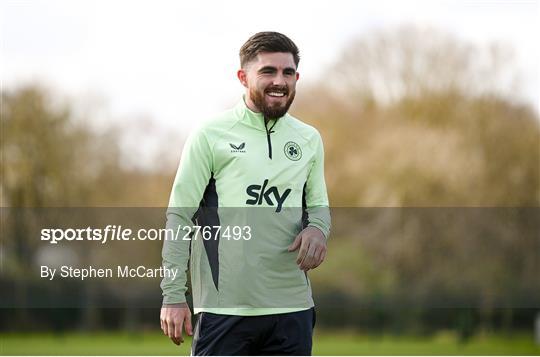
(316, 195)
(191, 179)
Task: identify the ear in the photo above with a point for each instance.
(297, 76)
(242, 77)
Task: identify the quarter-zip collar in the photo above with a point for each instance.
(256, 120)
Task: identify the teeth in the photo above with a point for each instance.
(276, 94)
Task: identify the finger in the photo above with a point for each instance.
(170, 328)
(177, 341)
(294, 246)
(309, 259)
(304, 262)
(162, 322)
(178, 332)
(189, 328)
(304, 246)
(317, 257)
(323, 255)
(164, 328)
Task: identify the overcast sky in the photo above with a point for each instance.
(175, 61)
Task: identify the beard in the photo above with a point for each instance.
(271, 111)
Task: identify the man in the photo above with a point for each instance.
(258, 172)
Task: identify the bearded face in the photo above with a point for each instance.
(271, 83)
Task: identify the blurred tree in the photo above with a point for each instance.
(419, 118)
(414, 117)
(42, 151)
(51, 158)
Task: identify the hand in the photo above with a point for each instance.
(172, 318)
(312, 245)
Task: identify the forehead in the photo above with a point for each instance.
(279, 60)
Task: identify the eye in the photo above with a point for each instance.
(289, 72)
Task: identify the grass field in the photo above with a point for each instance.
(324, 344)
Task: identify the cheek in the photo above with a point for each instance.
(292, 84)
(262, 84)
(256, 84)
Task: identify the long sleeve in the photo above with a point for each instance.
(192, 177)
(316, 195)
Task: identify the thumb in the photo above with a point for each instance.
(294, 246)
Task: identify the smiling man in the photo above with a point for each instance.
(251, 189)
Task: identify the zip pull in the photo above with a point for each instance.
(268, 132)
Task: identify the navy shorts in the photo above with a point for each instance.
(279, 334)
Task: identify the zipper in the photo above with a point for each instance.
(268, 132)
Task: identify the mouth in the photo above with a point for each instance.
(276, 93)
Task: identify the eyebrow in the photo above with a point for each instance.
(272, 68)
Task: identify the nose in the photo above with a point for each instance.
(279, 80)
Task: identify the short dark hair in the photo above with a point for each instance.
(267, 42)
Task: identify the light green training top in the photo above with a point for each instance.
(254, 186)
